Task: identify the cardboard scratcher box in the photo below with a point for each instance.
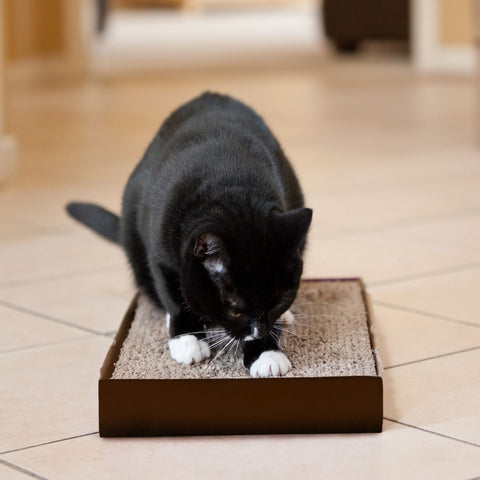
(335, 384)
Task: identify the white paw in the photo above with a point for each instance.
(188, 349)
(287, 317)
(272, 363)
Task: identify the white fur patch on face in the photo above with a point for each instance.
(219, 267)
(287, 317)
(272, 363)
(167, 320)
(188, 349)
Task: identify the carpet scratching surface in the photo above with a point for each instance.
(335, 384)
(329, 337)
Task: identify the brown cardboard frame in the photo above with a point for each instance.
(160, 407)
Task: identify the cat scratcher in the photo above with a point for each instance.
(335, 384)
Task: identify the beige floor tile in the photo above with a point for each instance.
(8, 473)
(372, 145)
(462, 233)
(38, 199)
(441, 395)
(55, 254)
(337, 168)
(397, 453)
(13, 230)
(22, 330)
(390, 204)
(96, 301)
(388, 255)
(452, 295)
(407, 337)
(50, 392)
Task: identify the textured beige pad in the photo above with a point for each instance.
(329, 337)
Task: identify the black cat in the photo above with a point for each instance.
(214, 228)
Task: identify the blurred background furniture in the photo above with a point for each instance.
(348, 23)
(7, 141)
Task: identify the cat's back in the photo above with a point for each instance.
(209, 137)
(213, 115)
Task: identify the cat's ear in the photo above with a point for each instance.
(211, 251)
(291, 227)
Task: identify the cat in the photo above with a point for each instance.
(214, 227)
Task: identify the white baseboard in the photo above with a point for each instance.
(429, 54)
(8, 157)
(455, 59)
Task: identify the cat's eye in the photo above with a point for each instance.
(235, 313)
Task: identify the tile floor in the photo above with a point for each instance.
(390, 163)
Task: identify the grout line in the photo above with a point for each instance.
(45, 344)
(433, 358)
(49, 443)
(22, 470)
(110, 333)
(425, 314)
(48, 317)
(431, 431)
(427, 274)
(60, 276)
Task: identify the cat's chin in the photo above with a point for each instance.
(188, 349)
(272, 363)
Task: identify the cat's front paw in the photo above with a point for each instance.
(272, 363)
(188, 349)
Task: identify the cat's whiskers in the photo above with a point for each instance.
(232, 346)
(315, 302)
(219, 342)
(275, 337)
(216, 335)
(279, 325)
(199, 331)
(315, 315)
(236, 350)
(291, 333)
(210, 364)
(340, 307)
(302, 325)
(312, 324)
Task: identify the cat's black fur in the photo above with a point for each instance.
(213, 222)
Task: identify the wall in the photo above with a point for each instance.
(456, 26)
(34, 28)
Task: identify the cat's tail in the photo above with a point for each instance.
(101, 221)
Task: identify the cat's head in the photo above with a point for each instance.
(243, 274)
